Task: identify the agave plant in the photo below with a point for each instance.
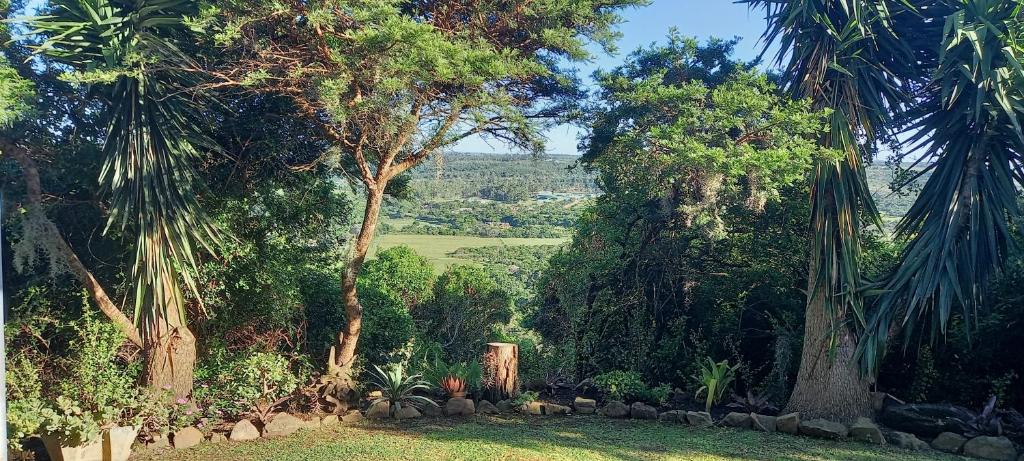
(752, 403)
(455, 386)
(717, 377)
(398, 388)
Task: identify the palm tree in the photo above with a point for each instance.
(968, 135)
(126, 51)
(844, 56)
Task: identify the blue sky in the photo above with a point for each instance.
(698, 18)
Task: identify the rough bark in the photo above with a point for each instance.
(829, 384)
(343, 354)
(170, 358)
(503, 363)
(99, 295)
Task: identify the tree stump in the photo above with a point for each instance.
(502, 361)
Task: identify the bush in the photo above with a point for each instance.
(233, 385)
(621, 385)
(467, 309)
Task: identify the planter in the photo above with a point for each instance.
(92, 451)
(457, 395)
(117, 443)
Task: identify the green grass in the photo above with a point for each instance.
(538, 438)
(438, 248)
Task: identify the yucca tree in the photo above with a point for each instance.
(125, 50)
(968, 135)
(844, 56)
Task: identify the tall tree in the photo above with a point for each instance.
(967, 134)
(127, 52)
(391, 82)
(845, 56)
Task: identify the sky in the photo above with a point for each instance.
(646, 25)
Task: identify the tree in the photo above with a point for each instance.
(967, 134)
(467, 305)
(128, 52)
(845, 56)
(392, 82)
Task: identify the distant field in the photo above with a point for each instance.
(438, 248)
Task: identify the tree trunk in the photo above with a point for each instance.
(829, 384)
(171, 358)
(343, 354)
(33, 190)
(502, 361)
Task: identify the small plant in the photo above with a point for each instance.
(987, 422)
(621, 385)
(657, 395)
(399, 389)
(524, 398)
(716, 377)
(24, 417)
(455, 386)
(456, 378)
(69, 423)
(752, 403)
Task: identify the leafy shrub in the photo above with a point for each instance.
(621, 385)
(24, 417)
(234, 385)
(469, 373)
(525, 397)
(716, 377)
(657, 395)
(467, 307)
(69, 422)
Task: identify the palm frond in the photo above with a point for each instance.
(126, 51)
(969, 136)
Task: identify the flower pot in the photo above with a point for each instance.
(91, 451)
(457, 395)
(117, 443)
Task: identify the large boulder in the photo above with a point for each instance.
(533, 408)
(926, 420)
(555, 409)
(188, 437)
(379, 409)
(584, 406)
(487, 408)
(949, 442)
(459, 407)
(504, 405)
(734, 419)
(244, 430)
(283, 424)
(642, 411)
(824, 429)
(907, 441)
(865, 430)
(352, 416)
(995, 448)
(615, 409)
(763, 423)
(788, 423)
(407, 412)
(699, 418)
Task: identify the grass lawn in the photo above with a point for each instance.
(438, 248)
(537, 438)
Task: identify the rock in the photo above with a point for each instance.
(699, 418)
(504, 406)
(312, 423)
(584, 406)
(329, 420)
(907, 441)
(926, 420)
(162, 441)
(432, 410)
(788, 423)
(553, 409)
(244, 430)
(379, 409)
(823, 429)
(218, 437)
(949, 442)
(533, 408)
(615, 409)
(283, 424)
(996, 448)
(407, 412)
(734, 419)
(459, 407)
(374, 395)
(353, 416)
(866, 430)
(673, 416)
(642, 411)
(487, 408)
(763, 423)
(188, 437)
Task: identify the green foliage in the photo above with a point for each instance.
(466, 308)
(107, 392)
(620, 385)
(24, 418)
(69, 423)
(398, 388)
(240, 384)
(401, 272)
(716, 379)
(15, 94)
(436, 369)
(524, 398)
